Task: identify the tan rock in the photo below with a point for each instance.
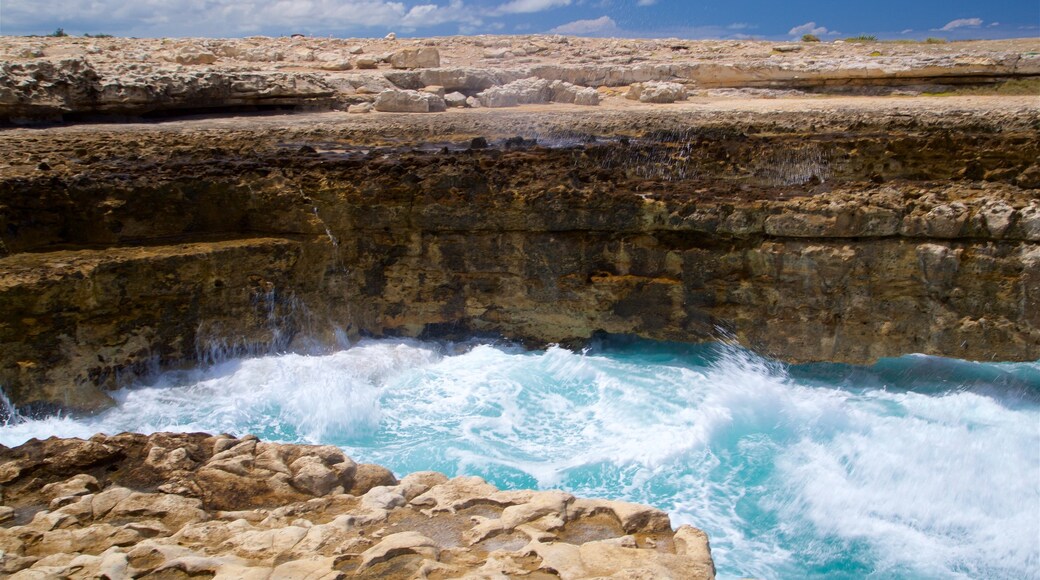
(120, 531)
(312, 476)
(398, 101)
(368, 476)
(398, 544)
(411, 58)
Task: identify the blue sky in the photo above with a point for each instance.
(952, 19)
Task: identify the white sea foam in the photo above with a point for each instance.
(791, 476)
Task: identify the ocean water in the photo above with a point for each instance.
(916, 467)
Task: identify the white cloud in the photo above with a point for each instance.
(808, 28)
(528, 6)
(992, 24)
(434, 15)
(962, 23)
(598, 26)
(234, 17)
(646, 2)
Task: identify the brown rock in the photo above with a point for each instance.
(118, 531)
(410, 58)
(368, 476)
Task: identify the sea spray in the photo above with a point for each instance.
(916, 467)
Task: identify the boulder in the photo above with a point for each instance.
(587, 96)
(497, 97)
(312, 476)
(366, 62)
(434, 90)
(533, 90)
(465, 80)
(405, 79)
(409, 58)
(343, 64)
(455, 100)
(396, 101)
(656, 92)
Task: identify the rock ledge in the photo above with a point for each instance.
(179, 505)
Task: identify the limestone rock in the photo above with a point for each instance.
(410, 58)
(118, 529)
(434, 90)
(366, 62)
(149, 75)
(368, 476)
(656, 92)
(397, 544)
(194, 56)
(534, 90)
(812, 222)
(587, 96)
(311, 475)
(455, 100)
(465, 80)
(398, 101)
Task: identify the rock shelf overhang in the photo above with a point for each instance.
(134, 248)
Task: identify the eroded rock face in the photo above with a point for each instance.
(871, 236)
(193, 504)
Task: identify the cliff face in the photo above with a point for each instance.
(872, 234)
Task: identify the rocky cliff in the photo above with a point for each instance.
(811, 230)
(193, 505)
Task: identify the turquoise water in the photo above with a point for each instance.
(916, 467)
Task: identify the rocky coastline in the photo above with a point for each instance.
(160, 208)
(192, 505)
(846, 231)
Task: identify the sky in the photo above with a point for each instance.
(735, 19)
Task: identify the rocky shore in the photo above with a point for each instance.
(55, 79)
(193, 505)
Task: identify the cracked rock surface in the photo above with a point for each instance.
(200, 506)
(55, 79)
